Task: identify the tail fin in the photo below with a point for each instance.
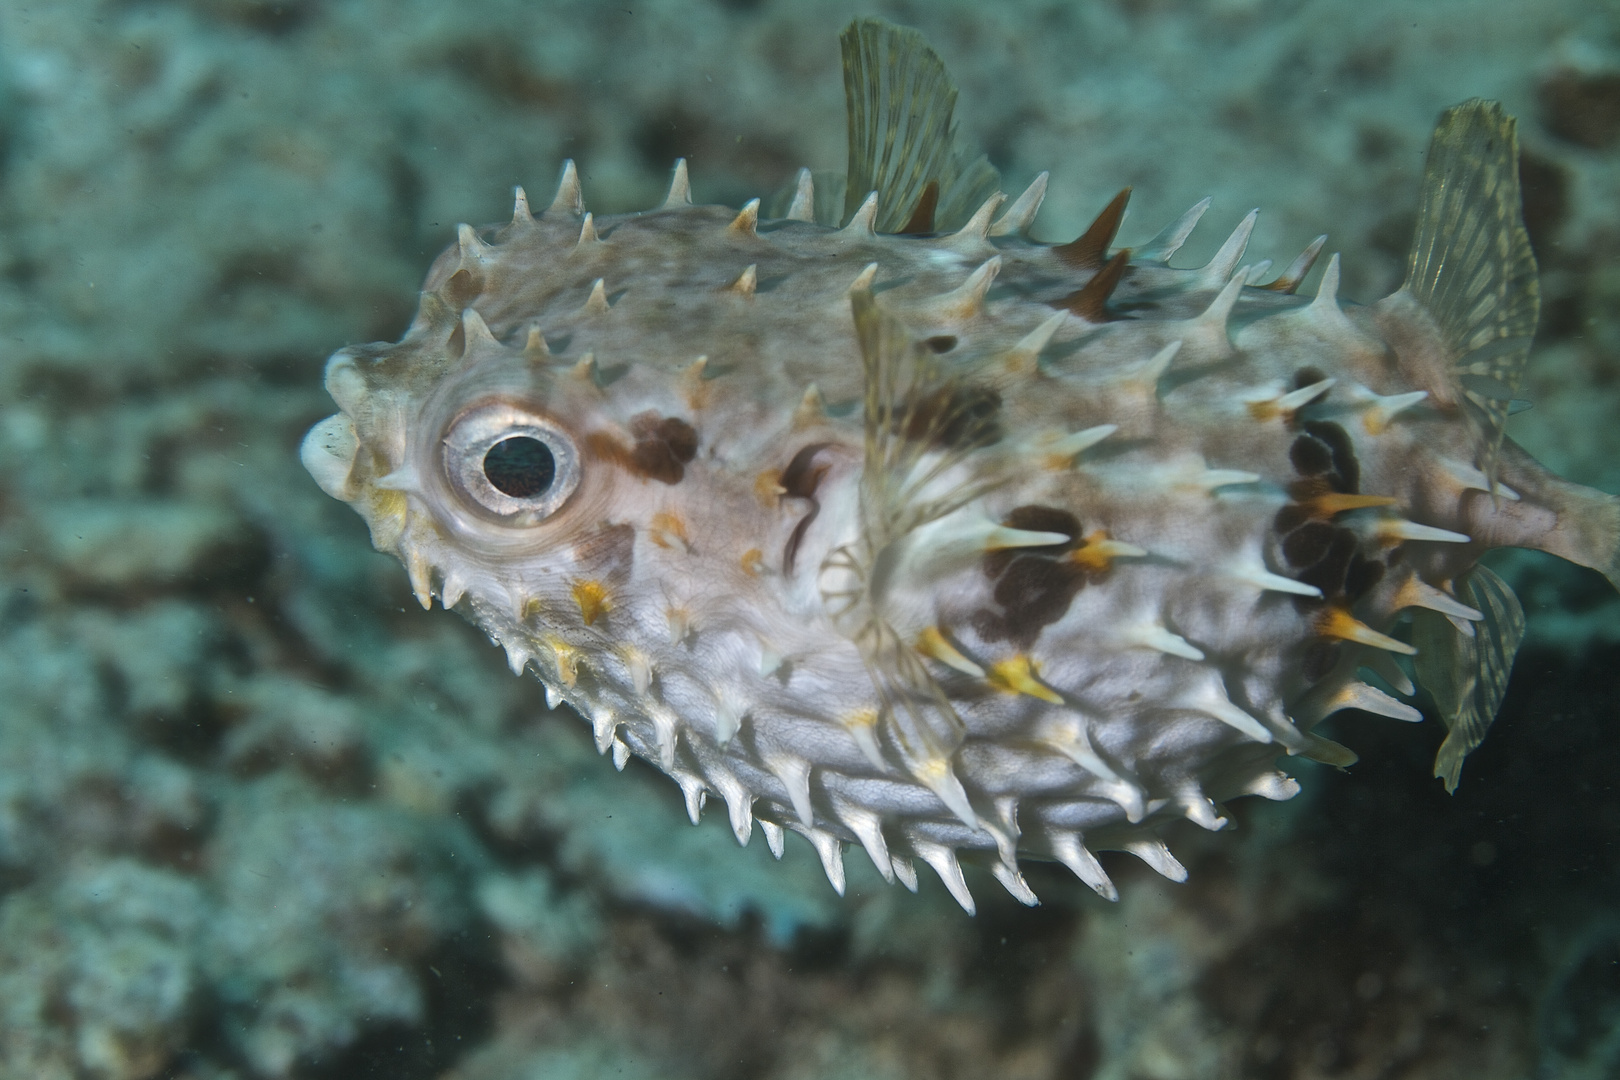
(1471, 264)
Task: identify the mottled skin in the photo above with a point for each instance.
(1154, 664)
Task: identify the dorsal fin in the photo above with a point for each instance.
(901, 138)
(1471, 264)
(1468, 675)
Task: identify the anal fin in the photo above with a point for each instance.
(1467, 676)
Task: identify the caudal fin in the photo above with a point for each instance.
(1471, 264)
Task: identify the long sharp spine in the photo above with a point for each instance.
(972, 236)
(868, 829)
(1218, 271)
(1024, 357)
(831, 852)
(587, 233)
(774, 839)
(1021, 214)
(1014, 883)
(945, 864)
(1289, 280)
(522, 217)
(747, 219)
(739, 805)
(680, 188)
(569, 198)
(803, 206)
(1164, 246)
(861, 225)
(794, 773)
(1155, 854)
(694, 792)
(1083, 864)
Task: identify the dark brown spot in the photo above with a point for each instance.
(1342, 450)
(1033, 586)
(1090, 301)
(941, 343)
(921, 221)
(1290, 518)
(1308, 544)
(663, 447)
(1310, 456)
(954, 417)
(1035, 592)
(1363, 576)
(1090, 249)
(1328, 572)
(799, 481)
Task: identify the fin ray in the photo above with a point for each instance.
(1468, 676)
(901, 135)
(1471, 265)
(909, 405)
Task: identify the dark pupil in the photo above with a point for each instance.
(521, 467)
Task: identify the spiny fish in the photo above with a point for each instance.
(890, 525)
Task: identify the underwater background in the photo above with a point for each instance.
(262, 817)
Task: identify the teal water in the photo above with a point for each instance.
(260, 816)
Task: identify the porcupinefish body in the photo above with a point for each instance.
(891, 526)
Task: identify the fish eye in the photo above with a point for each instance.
(511, 462)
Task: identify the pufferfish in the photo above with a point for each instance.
(889, 525)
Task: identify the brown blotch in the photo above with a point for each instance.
(1033, 586)
(1310, 456)
(799, 481)
(1308, 544)
(954, 417)
(1289, 518)
(921, 221)
(1362, 577)
(1090, 249)
(1090, 301)
(1329, 571)
(1343, 452)
(941, 343)
(664, 445)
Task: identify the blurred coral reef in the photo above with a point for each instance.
(261, 817)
